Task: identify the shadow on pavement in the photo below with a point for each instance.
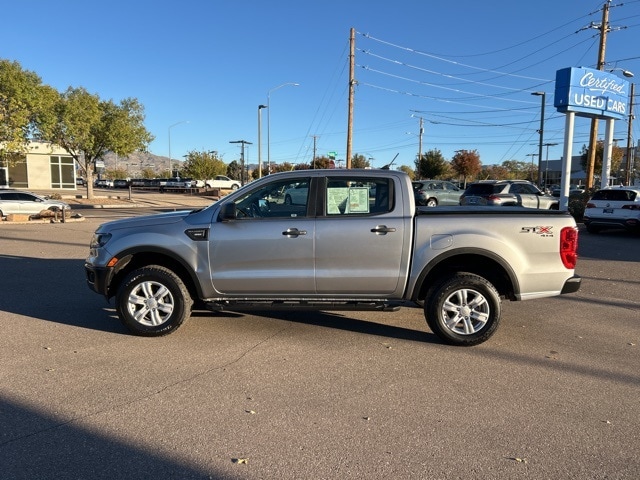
(33, 446)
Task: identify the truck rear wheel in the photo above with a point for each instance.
(153, 301)
(463, 310)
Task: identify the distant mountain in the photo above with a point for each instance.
(138, 161)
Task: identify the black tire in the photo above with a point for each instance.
(153, 301)
(234, 186)
(432, 202)
(463, 310)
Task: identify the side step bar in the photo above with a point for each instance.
(225, 305)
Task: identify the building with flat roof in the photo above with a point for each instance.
(43, 166)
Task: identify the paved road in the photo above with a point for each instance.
(554, 394)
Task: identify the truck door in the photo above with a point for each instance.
(268, 248)
(362, 243)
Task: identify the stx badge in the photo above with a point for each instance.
(542, 230)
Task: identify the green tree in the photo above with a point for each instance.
(617, 154)
(88, 127)
(234, 170)
(467, 164)
(360, 161)
(203, 165)
(431, 165)
(518, 170)
(26, 108)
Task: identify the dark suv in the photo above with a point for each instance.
(507, 193)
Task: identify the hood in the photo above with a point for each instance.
(146, 220)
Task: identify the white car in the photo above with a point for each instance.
(613, 207)
(296, 195)
(223, 182)
(16, 201)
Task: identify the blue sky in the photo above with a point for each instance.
(466, 67)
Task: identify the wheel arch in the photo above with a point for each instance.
(478, 261)
(130, 260)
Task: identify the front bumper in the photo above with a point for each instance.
(98, 278)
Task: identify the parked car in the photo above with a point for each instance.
(103, 183)
(432, 193)
(379, 253)
(519, 193)
(223, 182)
(17, 201)
(613, 207)
(120, 183)
(573, 190)
(296, 195)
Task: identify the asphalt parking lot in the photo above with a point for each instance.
(553, 394)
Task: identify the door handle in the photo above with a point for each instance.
(293, 232)
(383, 229)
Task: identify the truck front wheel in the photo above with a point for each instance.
(153, 301)
(463, 310)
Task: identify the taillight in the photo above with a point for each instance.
(494, 198)
(590, 205)
(631, 207)
(569, 247)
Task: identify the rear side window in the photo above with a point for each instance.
(615, 195)
(358, 196)
(483, 189)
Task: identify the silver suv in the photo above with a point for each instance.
(507, 193)
(17, 201)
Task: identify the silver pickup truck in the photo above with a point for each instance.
(333, 240)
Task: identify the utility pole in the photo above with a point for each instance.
(352, 84)
(421, 131)
(243, 143)
(260, 107)
(629, 163)
(593, 135)
(313, 160)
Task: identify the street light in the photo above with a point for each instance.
(625, 73)
(543, 96)
(546, 171)
(170, 127)
(269, 120)
(260, 107)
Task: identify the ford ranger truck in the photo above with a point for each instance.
(333, 240)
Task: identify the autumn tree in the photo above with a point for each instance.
(321, 162)
(408, 170)
(466, 163)
(431, 165)
(494, 172)
(87, 128)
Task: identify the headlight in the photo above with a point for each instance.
(99, 240)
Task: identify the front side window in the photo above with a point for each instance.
(281, 199)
